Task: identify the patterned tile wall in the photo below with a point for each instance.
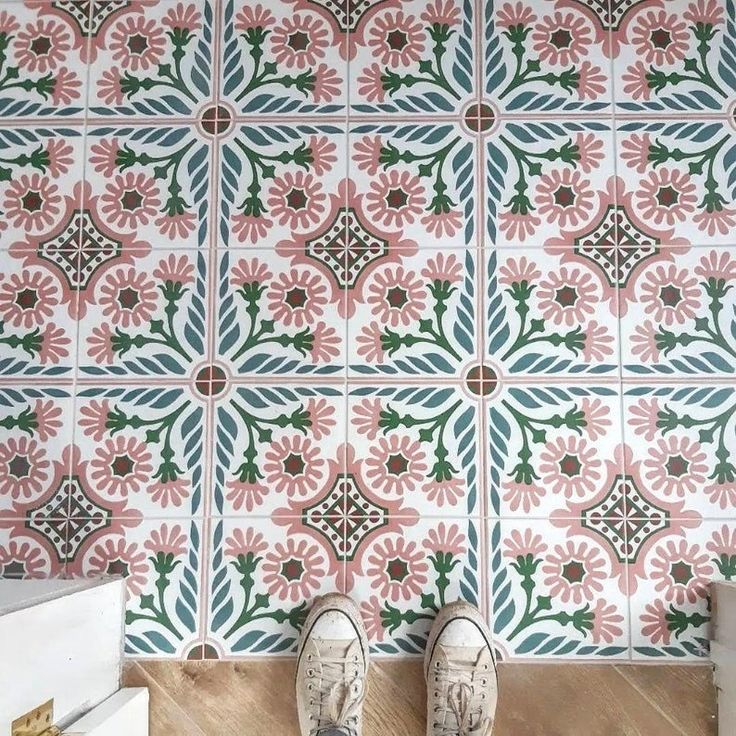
(411, 299)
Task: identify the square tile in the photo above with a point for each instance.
(145, 313)
(278, 450)
(676, 58)
(555, 593)
(152, 59)
(418, 59)
(284, 58)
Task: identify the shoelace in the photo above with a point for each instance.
(336, 712)
(463, 703)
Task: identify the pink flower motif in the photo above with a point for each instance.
(644, 342)
(54, 343)
(300, 41)
(596, 417)
(130, 200)
(722, 494)
(370, 84)
(100, 344)
(396, 39)
(445, 539)
(293, 570)
(370, 612)
(564, 197)
(676, 466)
(516, 271)
(723, 541)
(183, 17)
(396, 465)
(296, 200)
(325, 343)
(250, 228)
(114, 557)
(447, 491)
(590, 151)
(30, 559)
(177, 270)
(707, 12)
(517, 14)
(8, 24)
(169, 541)
(660, 38)
(396, 296)
(323, 154)
(23, 468)
(518, 227)
(60, 156)
(635, 151)
(137, 43)
(562, 38)
(367, 154)
(526, 496)
(47, 419)
(109, 86)
(94, 419)
(253, 17)
(40, 47)
(518, 545)
(446, 269)
(250, 542)
(654, 623)
(121, 466)
(169, 493)
(644, 416)
(369, 343)
(239, 494)
(292, 465)
(249, 272)
(598, 342)
(397, 569)
(575, 572)
(442, 224)
(717, 266)
(636, 83)
(570, 466)
(606, 620)
(297, 298)
(32, 202)
(395, 198)
(178, 225)
(321, 418)
(128, 298)
(67, 87)
(367, 415)
(680, 571)
(592, 81)
(27, 299)
(567, 297)
(326, 85)
(670, 295)
(441, 12)
(720, 221)
(666, 196)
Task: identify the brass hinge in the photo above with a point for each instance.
(37, 722)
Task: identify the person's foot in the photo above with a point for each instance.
(461, 674)
(331, 668)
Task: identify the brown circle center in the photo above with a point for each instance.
(479, 117)
(210, 380)
(481, 380)
(216, 120)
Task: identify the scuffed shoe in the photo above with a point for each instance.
(462, 688)
(332, 666)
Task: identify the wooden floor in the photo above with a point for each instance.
(255, 698)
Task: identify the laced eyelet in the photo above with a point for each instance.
(309, 657)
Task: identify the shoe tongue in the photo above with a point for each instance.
(337, 648)
(462, 655)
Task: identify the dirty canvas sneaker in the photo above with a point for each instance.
(461, 674)
(331, 670)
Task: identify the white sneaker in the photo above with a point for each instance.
(462, 688)
(331, 668)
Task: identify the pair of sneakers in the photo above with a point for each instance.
(332, 668)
